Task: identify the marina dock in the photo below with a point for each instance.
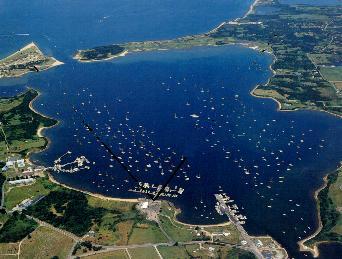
(222, 208)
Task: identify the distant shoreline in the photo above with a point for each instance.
(251, 45)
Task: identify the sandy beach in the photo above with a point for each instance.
(100, 196)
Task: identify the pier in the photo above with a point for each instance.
(223, 208)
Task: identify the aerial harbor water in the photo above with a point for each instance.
(153, 108)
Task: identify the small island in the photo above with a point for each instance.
(40, 217)
(25, 60)
(329, 206)
(303, 39)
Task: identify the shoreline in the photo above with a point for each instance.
(41, 128)
(122, 54)
(252, 45)
(28, 46)
(174, 218)
(54, 64)
(279, 108)
(302, 247)
(279, 104)
(96, 195)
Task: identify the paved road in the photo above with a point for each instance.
(3, 195)
(250, 244)
(160, 256)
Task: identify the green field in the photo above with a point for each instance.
(332, 73)
(121, 224)
(15, 195)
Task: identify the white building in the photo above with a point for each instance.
(20, 163)
(21, 181)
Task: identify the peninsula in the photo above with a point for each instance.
(40, 218)
(304, 40)
(25, 60)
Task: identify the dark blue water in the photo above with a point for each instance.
(329, 250)
(152, 108)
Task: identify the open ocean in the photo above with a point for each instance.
(152, 108)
